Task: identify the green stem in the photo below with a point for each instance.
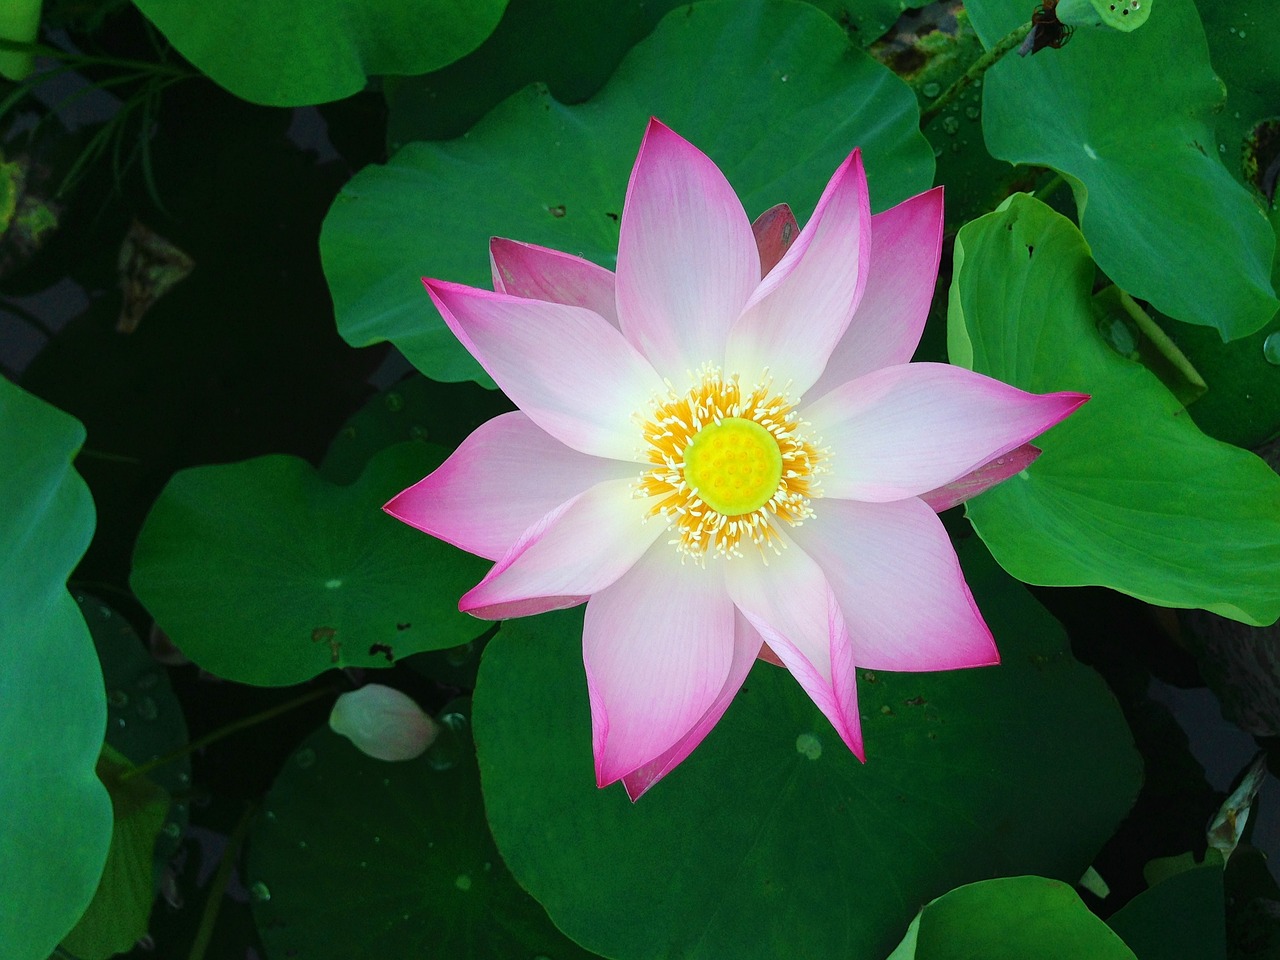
(79, 59)
(233, 727)
(1045, 192)
(976, 70)
(209, 919)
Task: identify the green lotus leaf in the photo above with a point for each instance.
(264, 572)
(282, 53)
(1129, 120)
(771, 839)
(1128, 493)
(57, 816)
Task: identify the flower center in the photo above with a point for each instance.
(733, 465)
(728, 464)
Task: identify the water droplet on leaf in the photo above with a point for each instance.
(931, 90)
(305, 758)
(950, 125)
(147, 709)
(1120, 334)
(1271, 349)
(394, 402)
(117, 699)
(807, 744)
(463, 882)
(259, 892)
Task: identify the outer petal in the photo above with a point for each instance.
(901, 589)
(580, 547)
(540, 273)
(572, 373)
(503, 478)
(746, 645)
(658, 646)
(687, 260)
(775, 230)
(383, 722)
(790, 602)
(906, 242)
(902, 431)
(984, 478)
(799, 312)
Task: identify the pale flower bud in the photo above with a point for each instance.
(383, 723)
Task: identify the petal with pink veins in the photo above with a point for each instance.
(503, 478)
(746, 646)
(984, 478)
(906, 242)
(903, 431)
(799, 312)
(578, 548)
(540, 273)
(687, 259)
(658, 646)
(899, 584)
(793, 607)
(775, 230)
(566, 367)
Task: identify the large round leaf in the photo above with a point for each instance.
(356, 857)
(1012, 918)
(1129, 118)
(1128, 493)
(57, 817)
(772, 840)
(777, 98)
(265, 573)
(283, 53)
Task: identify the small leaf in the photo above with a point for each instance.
(1182, 917)
(265, 573)
(1128, 493)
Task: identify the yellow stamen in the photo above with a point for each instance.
(727, 465)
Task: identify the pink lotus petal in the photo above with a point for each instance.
(658, 647)
(899, 584)
(385, 723)
(800, 310)
(539, 273)
(503, 478)
(984, 478)
(566, 367)
(582, 546)
(906, 242)
(790, 602)
(746, 645)
(687, 260)
(903, 431)
(775, 230)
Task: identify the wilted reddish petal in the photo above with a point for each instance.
(799, 312)
(906, 242)
(793, 607)
(658, 646)
(905, 430)
(897, 579)
(687, 260)
(503, 478)
(540, 273)
(775, 230)
(579, 548)
(566, 367)
(746, 646)
(984, 478)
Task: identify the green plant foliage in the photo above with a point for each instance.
(57, 817)
(1123, 15)
(1180, 918)
(281, 53)
(772, 840)
(265, 573)
(117, 916)
(538, 171)
(1128, 493)
(356, 857)
(1011, 918)
(144, 720)
(1129, 120)
(866, 20)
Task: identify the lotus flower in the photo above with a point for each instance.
(722, 449)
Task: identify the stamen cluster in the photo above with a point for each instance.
(672, 426)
